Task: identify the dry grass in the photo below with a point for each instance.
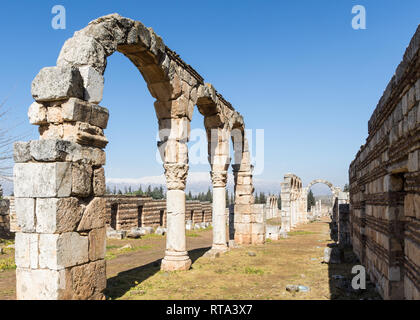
(237, 275)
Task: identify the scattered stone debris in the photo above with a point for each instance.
(251, 254)
(127, 246)
(297, 288)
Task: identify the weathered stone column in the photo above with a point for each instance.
(174, 151)
(176, 255)
(219, 180)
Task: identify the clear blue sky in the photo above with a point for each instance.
(295, 69)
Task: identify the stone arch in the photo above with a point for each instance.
(223, 122)
(63, 171)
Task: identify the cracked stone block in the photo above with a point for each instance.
(97, 244)
(94, 215)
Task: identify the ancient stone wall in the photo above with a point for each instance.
(385, 185)
(126, 212)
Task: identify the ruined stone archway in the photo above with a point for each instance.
(59, 179)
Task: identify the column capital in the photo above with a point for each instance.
(176, 175)
(219, 178)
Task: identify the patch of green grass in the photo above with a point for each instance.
(151, 236)
(7, 264)
(192, 234)
(112, 247)
(251, 270)
(268, 240)
(110, 256)
(300, 233)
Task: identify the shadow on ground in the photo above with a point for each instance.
(120, 284)
(340, 274)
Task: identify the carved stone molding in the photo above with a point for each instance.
(218, 178)
(176, 175)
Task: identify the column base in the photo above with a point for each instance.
(216, 251)
(176, 261)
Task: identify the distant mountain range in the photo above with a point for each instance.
(196, 182)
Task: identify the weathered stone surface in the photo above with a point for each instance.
(88, 280)
(82, 50)
(84, 134)
(76, 110)
(25, 214)
(58, 251)
(50, 150)
(41, 284)
(37, 114)
(21, 152)
(57, 83)
(81, 180)
(26, 250)
(93, 83)
(42, 180)
(56, 215)
(97, 244)
(99, 185)
(99, 117)
(94, 215)
(54, 115)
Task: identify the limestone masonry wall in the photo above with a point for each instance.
(126, 212)
(385, 185)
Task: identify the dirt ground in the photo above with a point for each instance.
(248, 272)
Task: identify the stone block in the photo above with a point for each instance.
(88, 280)
(85, 134)
(50, 150)
(99, 116)
(25, 214)
(413, 161)
(82, 50)
(409, 208)
(76, 110)
(40, 284)
(57, 83)
(56, 215)
(54, 115)
(99, 185)
(37, 114)
(93, 83)
(94, 215)
(58, 251)
(26, 250)
(81, 180)
(97, 244)
(42, 180)
(21, 152)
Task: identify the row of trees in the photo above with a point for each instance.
(156, 193)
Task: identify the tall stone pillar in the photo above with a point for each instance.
(59, 183)
(175, 154)
(219, 208)
(244, 199)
